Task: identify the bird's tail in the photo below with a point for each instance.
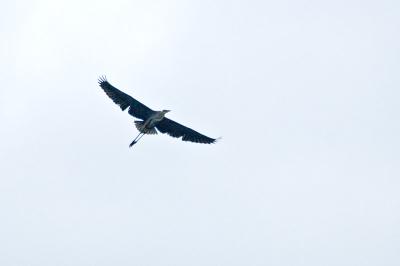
(140, 126)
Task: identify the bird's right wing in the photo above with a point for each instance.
(136, 108)
(177, 130)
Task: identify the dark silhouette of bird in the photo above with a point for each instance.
(151, 121)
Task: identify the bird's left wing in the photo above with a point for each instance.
(136, 108)
(177, 130)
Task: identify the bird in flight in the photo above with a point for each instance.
(151, 121)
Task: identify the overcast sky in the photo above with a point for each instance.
(305, 95)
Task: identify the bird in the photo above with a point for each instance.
(151, 121)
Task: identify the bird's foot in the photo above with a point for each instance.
(133, 143)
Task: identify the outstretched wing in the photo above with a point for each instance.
(136, 108)
(177, 130)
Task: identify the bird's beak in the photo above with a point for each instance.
(167, 111)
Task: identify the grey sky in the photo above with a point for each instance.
(304, 93)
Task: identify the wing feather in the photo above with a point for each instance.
(177, 130)
(136, 108)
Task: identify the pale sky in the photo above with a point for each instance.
(305, 95)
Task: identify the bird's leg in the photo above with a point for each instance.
(138, 137)
(135, 140)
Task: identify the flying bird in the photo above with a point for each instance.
(151, 121)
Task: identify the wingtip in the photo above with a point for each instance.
(216, 140)
(102, 79)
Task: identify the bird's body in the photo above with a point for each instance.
(148, 126)
(151, 120)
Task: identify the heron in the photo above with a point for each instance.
(151, 121)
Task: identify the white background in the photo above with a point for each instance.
(304, 93)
